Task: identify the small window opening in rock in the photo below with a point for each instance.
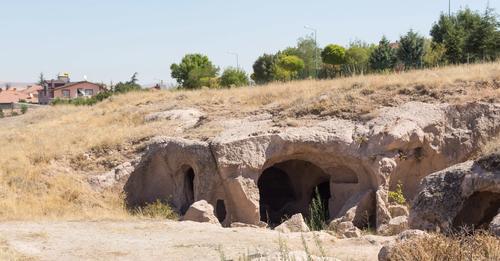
(188, 189)
(478, 211)
(220, 210)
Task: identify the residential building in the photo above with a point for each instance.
(63, 88)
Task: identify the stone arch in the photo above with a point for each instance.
(478, 210)
(287, 187)
(187, 196)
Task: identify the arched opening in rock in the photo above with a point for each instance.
(478, 211)
(188, 190)
(220, 210)
(287, 188)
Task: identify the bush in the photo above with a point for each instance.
(318, 213)
(24, 108)
(233, 77)
(157, 209)
(397, 196)
(1, 114)
(333, 54)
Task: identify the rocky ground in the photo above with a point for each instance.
(168, 240)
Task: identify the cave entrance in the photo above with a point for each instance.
(188, 191)
(478, 211)
(288, 187)
(220, 210)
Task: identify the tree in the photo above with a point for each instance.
(2, 115)
(131, 85)
(468, 36)
(263, 69)
(41, 79)
(434, 54)
(357, 58)
(309, 52)
(383, 56)
(333, 54)
(193, 71)
(24, 108)
(287, 67)
(233, 77)
(411, 50)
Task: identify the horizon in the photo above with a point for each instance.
(110, 41)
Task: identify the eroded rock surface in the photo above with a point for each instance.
(466, 194)
(255, 171)
(295, 224)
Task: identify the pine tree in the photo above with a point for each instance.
(411, 50)
(383, 57)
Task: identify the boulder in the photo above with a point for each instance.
(295, 224)
(466, 194)
(395, 226)
(348, 230)
(495, 225)
(398, 210)
(201, 211)
(385, 252)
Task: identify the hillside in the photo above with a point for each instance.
(48, 154)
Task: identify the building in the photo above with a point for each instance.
(9, 97)
(63, 88)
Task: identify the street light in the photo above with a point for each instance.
(315, 49)
(449, 8)
(237, 60)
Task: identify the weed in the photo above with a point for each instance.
(318, 213)
(397, 196)
(157, 209)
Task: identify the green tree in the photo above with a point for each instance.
(383, 56)
(194, 71)
(411, 50)
(357, 58)
(434, 54)
(287, 67)
(2, 115)
(41, 79)
(131, 85)
(264, 68)
(309, 52)
(234, 77)
(333, 54)
(24, 108)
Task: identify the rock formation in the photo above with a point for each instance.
(466, 194)
(255, 172)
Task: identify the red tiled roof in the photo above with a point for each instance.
(10, 96)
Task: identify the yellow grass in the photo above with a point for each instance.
(47, 154)
(479, 246)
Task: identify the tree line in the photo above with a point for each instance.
(464, 37)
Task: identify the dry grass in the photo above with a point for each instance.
(47, 154)
(7, 254)
(479, 246)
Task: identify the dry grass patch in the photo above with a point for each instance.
(478, 246)
(47, 154)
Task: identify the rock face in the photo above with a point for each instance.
(254, 171)
(495, 225)
(386, 251)
(202, 212)
(295, 224)
(466, 194)
(187, 118)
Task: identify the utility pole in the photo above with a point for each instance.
(315, 49)
(237, 59)
(449, 8)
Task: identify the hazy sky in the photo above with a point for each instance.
(110, 39)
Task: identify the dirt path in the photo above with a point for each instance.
(155, 240)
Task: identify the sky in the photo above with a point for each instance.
(109, 40)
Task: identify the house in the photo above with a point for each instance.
(63, 88)
(9, 97)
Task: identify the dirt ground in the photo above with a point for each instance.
(168, 240)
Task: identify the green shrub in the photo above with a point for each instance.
(397, 196)
(1, 114)
(318, 213)
(24, 108)
(157, 209)
(233, 77)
